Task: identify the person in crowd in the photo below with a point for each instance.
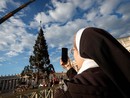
(103, 67)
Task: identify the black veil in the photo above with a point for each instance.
(109, 54)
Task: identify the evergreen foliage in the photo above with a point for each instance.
(39, 61)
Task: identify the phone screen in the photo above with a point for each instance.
(64, 55)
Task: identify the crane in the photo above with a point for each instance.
(7, 16)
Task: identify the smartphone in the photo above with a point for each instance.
(64, 55)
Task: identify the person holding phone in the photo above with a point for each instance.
(66, 63)
(104, 67)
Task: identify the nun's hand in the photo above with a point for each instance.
(67, 65)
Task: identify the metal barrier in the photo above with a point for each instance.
(46, 92)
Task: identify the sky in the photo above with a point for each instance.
(60, 19)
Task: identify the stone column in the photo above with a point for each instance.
(10, 84)
(13, 82)
(0, 84)
(7, 84)
(3, 85)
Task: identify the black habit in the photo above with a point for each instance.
(109, 54)
(111, 79)
(92, 83)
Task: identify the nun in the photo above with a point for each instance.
(103, 67)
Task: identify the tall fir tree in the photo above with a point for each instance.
(40, 61)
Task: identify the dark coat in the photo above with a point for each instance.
(92, 83)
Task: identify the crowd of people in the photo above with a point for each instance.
(28, 84)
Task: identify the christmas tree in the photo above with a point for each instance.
(40, 60)
(39, 67)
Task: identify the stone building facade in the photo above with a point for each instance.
(8, 83)
(125, 42)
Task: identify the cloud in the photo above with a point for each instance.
(3, 5)
(83, 4)
(64, 25)
(115, 20)
(2, 59)
(62, 11)
(43, 17)
(95, 13)
(59, 36)
(11, 53)
(53, 55)
(14, 37)
(92, 14)
(124, 9)
(108, 6)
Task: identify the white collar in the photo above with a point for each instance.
(88, 63)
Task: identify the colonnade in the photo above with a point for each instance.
(8, 83)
